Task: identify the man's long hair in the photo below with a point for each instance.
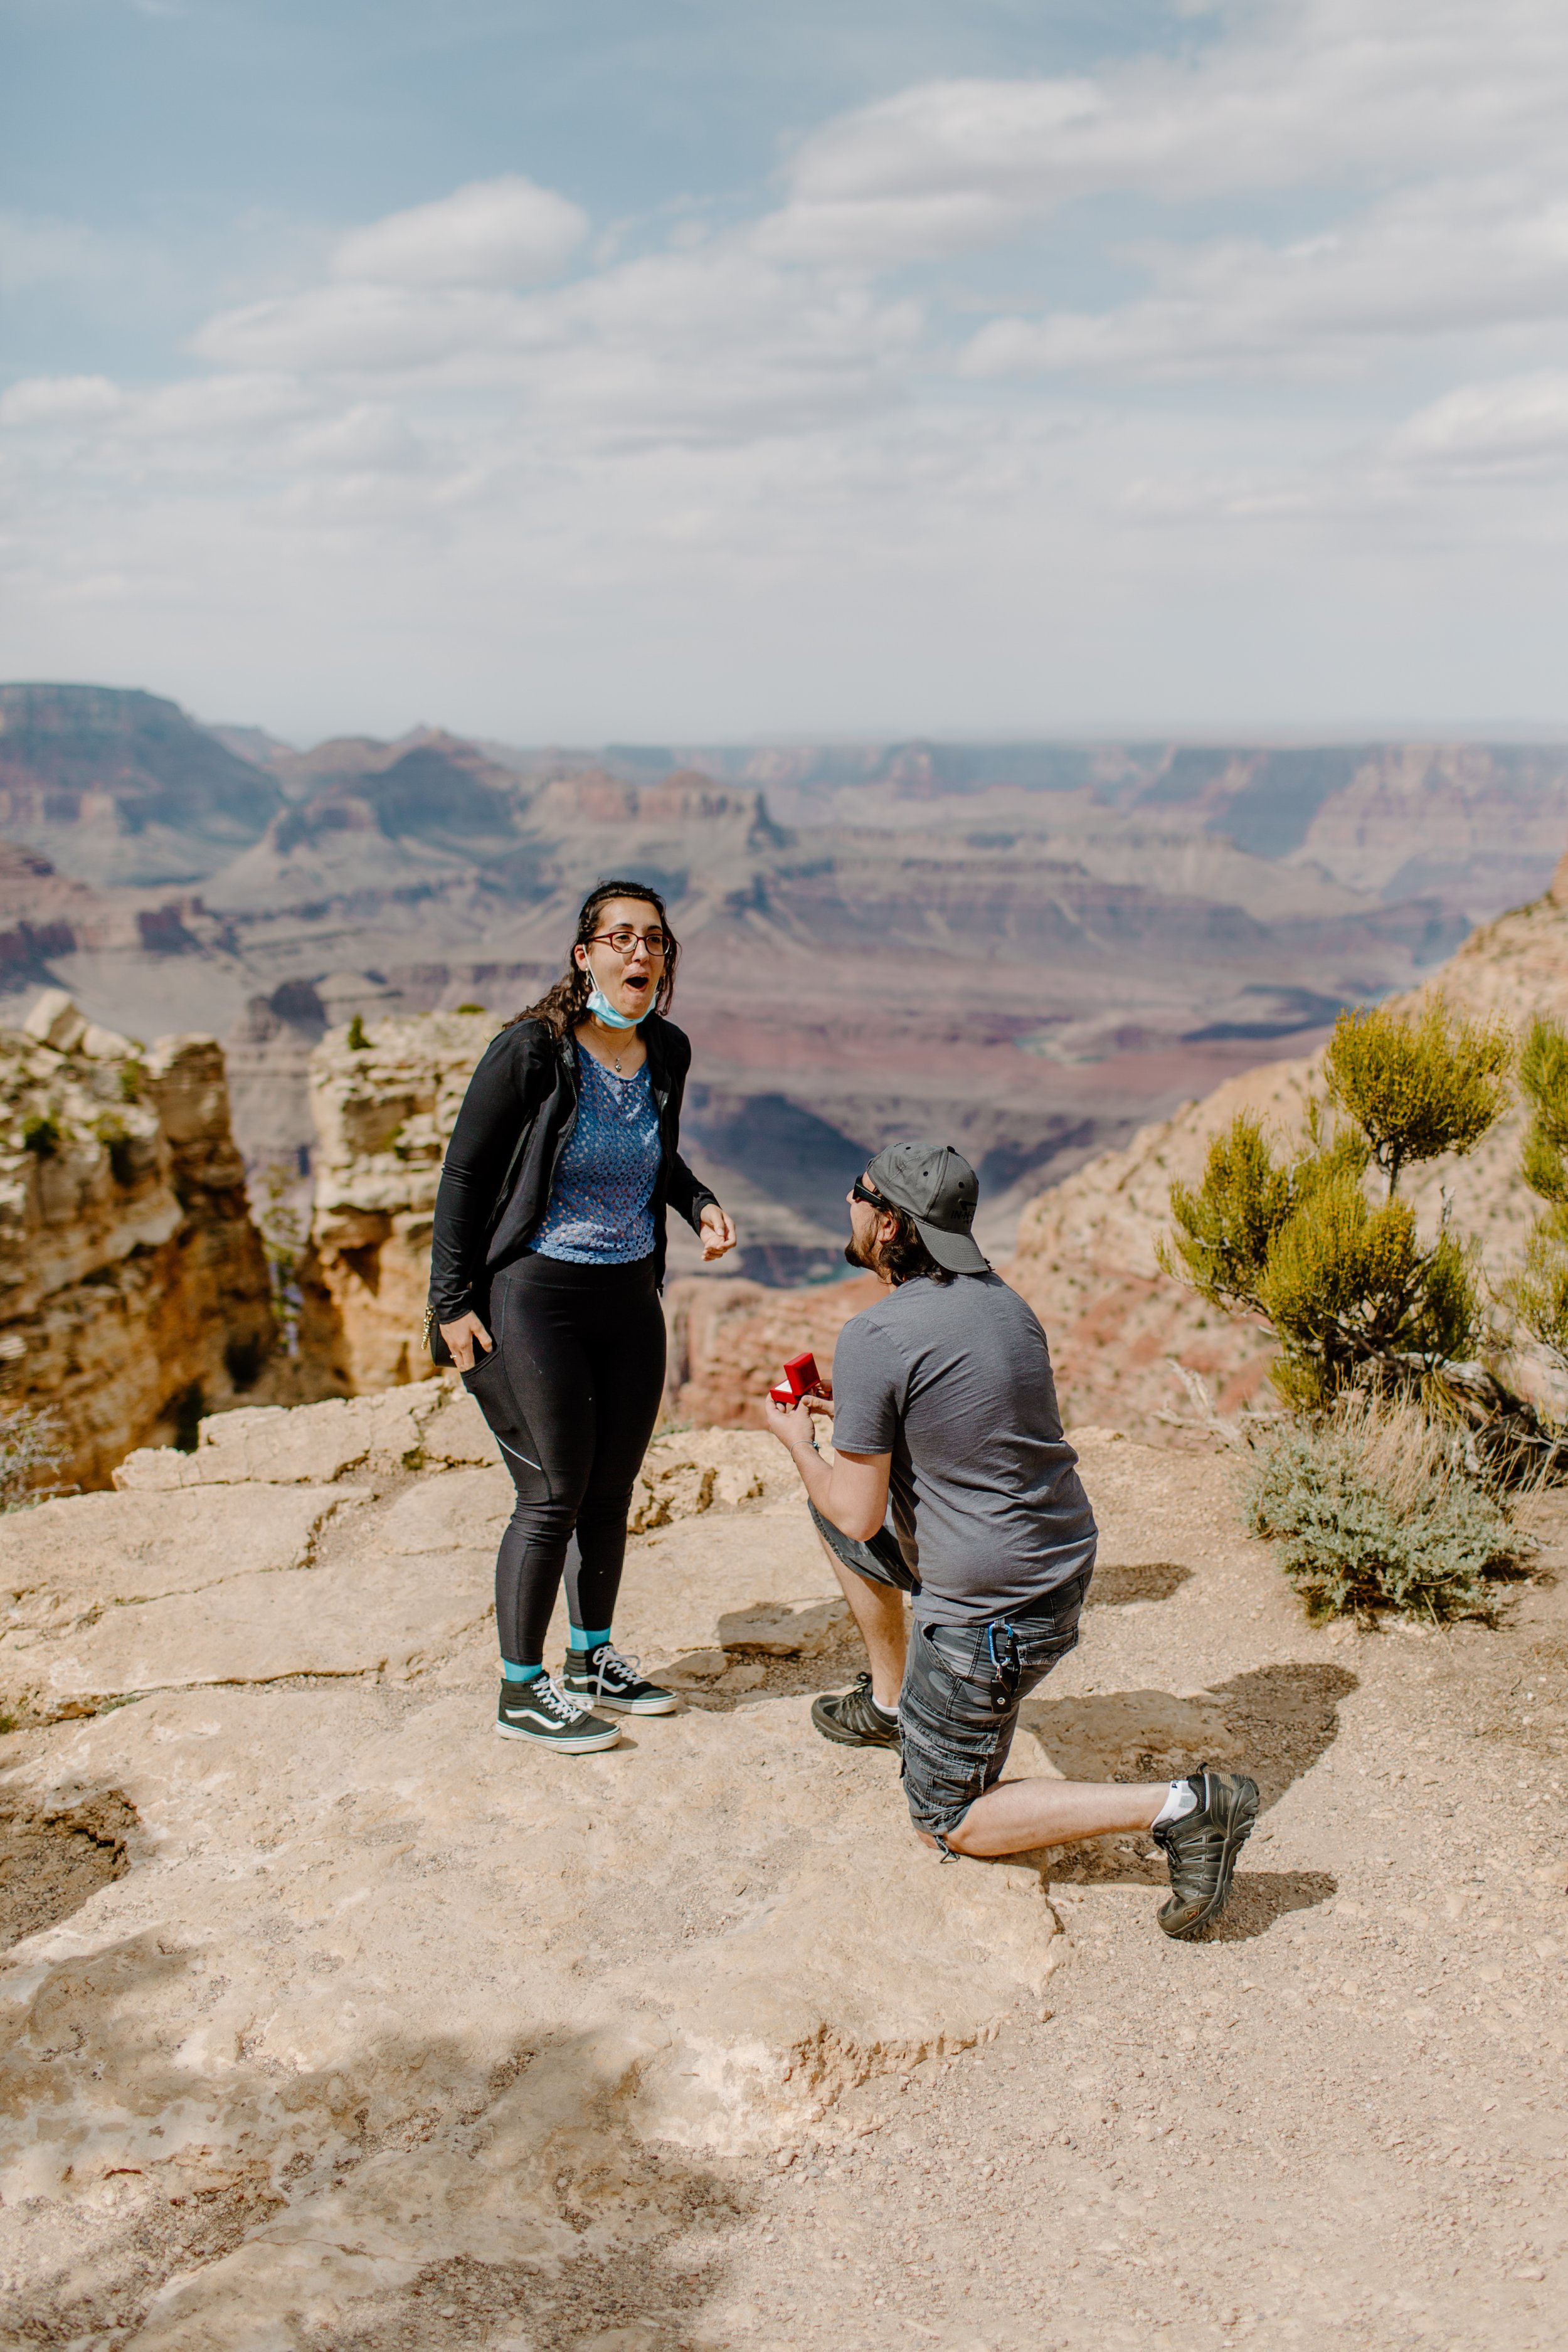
(562, 1007)
(904, 1258)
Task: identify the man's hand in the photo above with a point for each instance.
(460, 1336)
(791, 1423)
(717, 1228)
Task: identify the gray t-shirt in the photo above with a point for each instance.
(953, 1380)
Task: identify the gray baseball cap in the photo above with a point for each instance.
(940, 1191)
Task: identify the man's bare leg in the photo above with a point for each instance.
(1017, 1815)
(878, 1613)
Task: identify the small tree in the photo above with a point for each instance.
(1538, 1294)
(1352, 1294)
(1417, 1088)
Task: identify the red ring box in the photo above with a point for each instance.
(802, 1379)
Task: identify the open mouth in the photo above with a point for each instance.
(636, 982)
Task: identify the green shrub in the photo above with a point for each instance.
(1356, 1297)
(112, 1133)
(41, 1134)
(1369, 1510)
(357, 1042)
(473, 1008)
(31, 1450)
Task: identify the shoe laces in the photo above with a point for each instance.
(545, 1692)
(617, 1668)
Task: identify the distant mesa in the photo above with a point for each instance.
(591, 797)
(122, 786)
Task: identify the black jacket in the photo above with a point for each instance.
(517, 1118)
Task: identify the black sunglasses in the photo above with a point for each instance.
(858, 1192)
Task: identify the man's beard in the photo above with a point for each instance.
(855, 1258)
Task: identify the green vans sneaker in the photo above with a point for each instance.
(602, 1677)
(540, 1710)
(1201, 1848)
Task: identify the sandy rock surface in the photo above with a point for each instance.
(353, 2025)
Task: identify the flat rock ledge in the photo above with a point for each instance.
(374, 1991)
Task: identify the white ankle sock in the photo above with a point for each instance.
(887, 1713)
(1182, 1800)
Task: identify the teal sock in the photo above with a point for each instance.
(580, 1640)
(515, 1674)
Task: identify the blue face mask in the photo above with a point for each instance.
(601, 1008)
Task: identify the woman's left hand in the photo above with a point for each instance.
(717, 1228)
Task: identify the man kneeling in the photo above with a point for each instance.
(943, 1399)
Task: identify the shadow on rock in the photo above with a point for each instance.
(634, 2296)
(51, 1863)
(1282, 1719)
(1273, 1723)
(1153, 1579)
(1259, 1897)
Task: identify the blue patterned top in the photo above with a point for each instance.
(600, 1210)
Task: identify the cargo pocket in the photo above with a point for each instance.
(491, 1390)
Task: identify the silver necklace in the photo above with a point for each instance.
(614, 1054)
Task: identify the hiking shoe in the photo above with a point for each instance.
(541, 1710)
(1201, 1848)
(602, 1677)
(854, 1718)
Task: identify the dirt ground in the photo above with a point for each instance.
(1339, 2119)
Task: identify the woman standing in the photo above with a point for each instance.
(546, 1271)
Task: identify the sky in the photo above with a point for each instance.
(584, 371)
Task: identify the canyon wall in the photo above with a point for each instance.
(134, 1292)
(383, 1114)
(1086, 1257)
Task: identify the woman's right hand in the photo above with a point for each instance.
(460, 1336)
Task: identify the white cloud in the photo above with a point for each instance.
(503, 232)
(1298, 94)
(1441, 260)
(60, 400)
(786, 493)
(699, 343)
(1518, 425)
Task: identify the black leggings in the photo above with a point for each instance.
(572, 1393)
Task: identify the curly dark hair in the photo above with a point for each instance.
(562, 1007)
(905, 1258)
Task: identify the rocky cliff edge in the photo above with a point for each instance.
(133, 1287)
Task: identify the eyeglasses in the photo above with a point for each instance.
(624, 939)
(858, 1191)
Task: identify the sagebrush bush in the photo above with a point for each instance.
(1369, 1510)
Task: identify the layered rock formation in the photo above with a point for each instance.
(383, 1114)
(1033, 948)
(121, 786)
(134, 1290)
